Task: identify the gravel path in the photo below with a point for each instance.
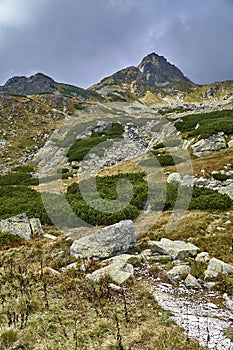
(198, 314)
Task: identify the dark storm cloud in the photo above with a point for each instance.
(81, 41)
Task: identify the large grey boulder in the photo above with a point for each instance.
(176, 249)
(22, 226)
(107, 242)
(204, 147)
(118, 271)
(216, 267)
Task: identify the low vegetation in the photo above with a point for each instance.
(207, 124)
(81, 147)
(42, 309)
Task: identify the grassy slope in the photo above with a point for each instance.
(64, 311)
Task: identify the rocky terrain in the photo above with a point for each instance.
(121, 188)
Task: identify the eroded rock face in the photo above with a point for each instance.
(22, 226)
(204, 147)
(176, 249)
(107, 242)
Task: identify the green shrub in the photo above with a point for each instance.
(106, 187)
(17, 177)
(167, 159)
(8, 240)
(168, 143)
(79, 106)
(15, 200)
(8, 338)
(81, 147)
(207, 199)
(220, 177)
(162, 197)
(209, 123)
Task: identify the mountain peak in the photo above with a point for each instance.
(153, 57)
(35, 84)
(153, 73)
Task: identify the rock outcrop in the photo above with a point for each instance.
(204, 147)
(36, 84)
(22, 226)
(107, 242)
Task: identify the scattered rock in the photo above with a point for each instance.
(36, 227)
(69, 267)
(50, 271)
(228, 301)
(118, 271)
(216, 267)
(127, 258)
(47, 235)
(107, 242)
(178, 273)
(191, 282)
(176, 249)
(204, 147)
(201, 181)
(203, 257)
(188, 181)
(174, 178)
(20, 225)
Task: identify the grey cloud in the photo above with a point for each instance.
(80, 42)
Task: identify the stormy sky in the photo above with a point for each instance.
(82, 41)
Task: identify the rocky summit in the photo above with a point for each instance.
(36, 84)
(153, 73)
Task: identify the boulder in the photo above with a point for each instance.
(227, 190)
(178, 250)
(191, 282)
(204, 147)
(188, 181)
(22, 226)
(178, 273)
(201, 182)
(174, 178)
(203, 257)
(107, 242)
(216, 267)
(36, 227)
(230, 143)
(118, 271)
(127, 258)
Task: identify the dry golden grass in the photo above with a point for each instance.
(65, 311)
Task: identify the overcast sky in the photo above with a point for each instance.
(82, 41)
